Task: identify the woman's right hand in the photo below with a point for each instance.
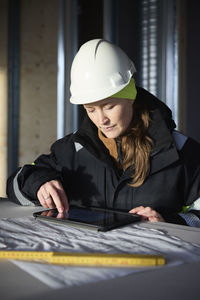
(51, 194)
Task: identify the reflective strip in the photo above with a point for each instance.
(20, 197)
(78, 146)
(191, 219)
(179, 139)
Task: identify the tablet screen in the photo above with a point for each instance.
(96, 218)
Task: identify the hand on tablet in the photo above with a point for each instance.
(51, 194)
(147, 213)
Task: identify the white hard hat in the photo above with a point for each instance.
(99, 70)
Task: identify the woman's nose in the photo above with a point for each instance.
(103, 119)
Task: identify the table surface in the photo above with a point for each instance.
(166, 283)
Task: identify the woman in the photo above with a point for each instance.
(126, 155)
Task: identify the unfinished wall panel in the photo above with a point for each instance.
(38, 78)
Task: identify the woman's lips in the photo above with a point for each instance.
(108, 128)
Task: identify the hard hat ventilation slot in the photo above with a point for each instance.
(97, 46)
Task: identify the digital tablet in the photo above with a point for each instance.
(93, 218)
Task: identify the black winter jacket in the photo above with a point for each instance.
(90, 177)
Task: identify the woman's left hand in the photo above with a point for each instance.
(147, 213)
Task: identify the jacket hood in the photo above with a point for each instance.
(153, 103)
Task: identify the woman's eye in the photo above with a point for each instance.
(109, 106)
(89, 110)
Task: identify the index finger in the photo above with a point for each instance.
(62, 195)
(59, 198)
(64, 199)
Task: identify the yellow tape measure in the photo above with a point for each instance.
(86, 259)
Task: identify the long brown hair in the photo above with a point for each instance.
(137, 145)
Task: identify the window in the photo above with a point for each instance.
(159, 51)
